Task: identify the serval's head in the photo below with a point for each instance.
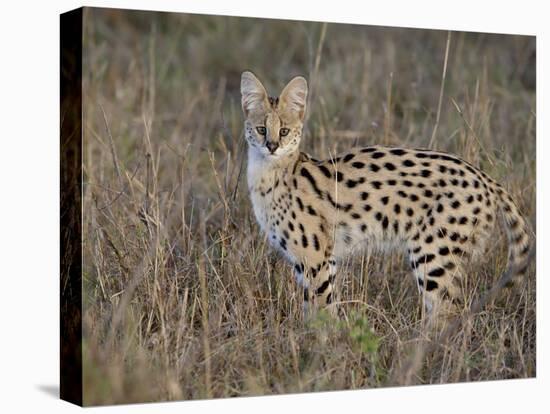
(273, 126)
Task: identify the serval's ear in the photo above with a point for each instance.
(253, 94)
(294, 97)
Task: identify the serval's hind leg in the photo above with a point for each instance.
(437, 273)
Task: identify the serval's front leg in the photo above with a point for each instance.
(317, 273)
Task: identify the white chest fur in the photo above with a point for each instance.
(261, 175)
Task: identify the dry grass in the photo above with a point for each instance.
(184, 299)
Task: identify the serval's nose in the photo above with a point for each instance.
(272, 146)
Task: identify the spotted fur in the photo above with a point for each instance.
(437, 208)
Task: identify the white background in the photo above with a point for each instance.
(29, 177)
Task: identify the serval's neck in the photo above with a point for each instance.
(263, 171)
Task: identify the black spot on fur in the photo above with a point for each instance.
(304, 172)
(398, 151)
(349, 157)
(452, 159)
(389, 166)
(449, 265)
(427, 258)
(378, 154)
(321, 289)
(376, 184)
(438, 271)
(338, 206)
(358, 164)
(396, 226)
(431, 285)
(326, 172)
(316, 244)
(353, 183)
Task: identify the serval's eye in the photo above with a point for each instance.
(284, 132)
(261, 130)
